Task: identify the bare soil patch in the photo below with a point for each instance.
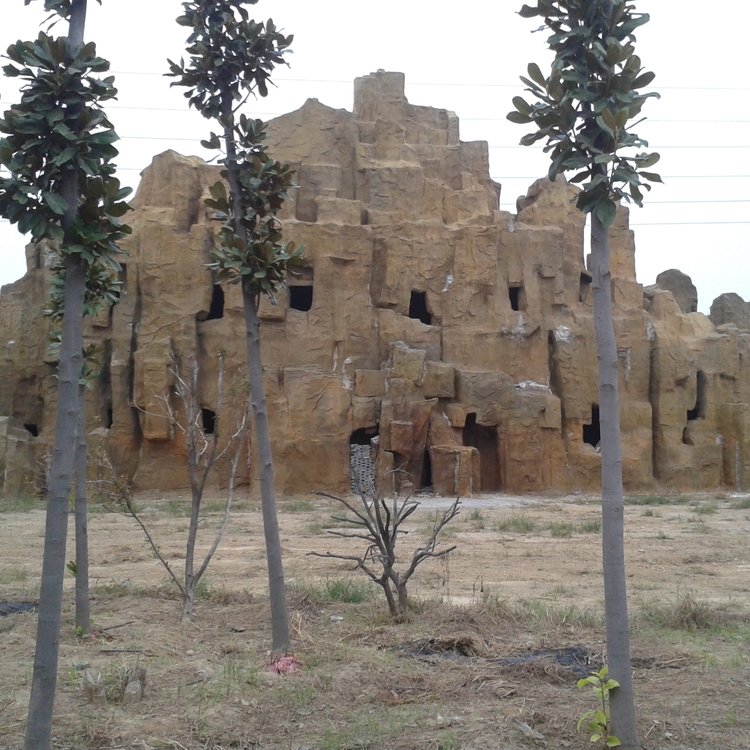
(501, 630)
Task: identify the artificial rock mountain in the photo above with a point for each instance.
(429, 333)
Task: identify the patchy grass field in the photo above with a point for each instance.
(499, 634)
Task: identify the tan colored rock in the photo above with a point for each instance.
(456, 337)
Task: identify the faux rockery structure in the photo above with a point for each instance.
(430, 339)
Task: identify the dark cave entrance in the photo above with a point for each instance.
(592, 433)
(216, 309)
(517, 297)
(425, 481)
(208, 419)
(301, 290)
(418, 307)
(485, 440)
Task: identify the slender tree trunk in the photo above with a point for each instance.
(83, 614)
(44, 675)
(281, 640)
(615, 594)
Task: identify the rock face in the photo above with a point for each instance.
(730, 308)
(430, 340)
(682, 288)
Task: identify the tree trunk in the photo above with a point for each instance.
(83, 615)
(281, 643)
(281, 640)
(615, 594)
(44, 676)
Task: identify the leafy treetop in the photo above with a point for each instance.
(231, 57)
(57, 129)
(583, 108)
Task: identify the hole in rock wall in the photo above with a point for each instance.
(300, 297)
(583, 286)
(425, 481)
(517, 297)
(301, 292)
(699, 410)
(108, 417)
(418, 308)
(208, 419)
(361, 461)
(32, 428)
(592, 432)
(484, 439)
(216, 310)
(554, 376)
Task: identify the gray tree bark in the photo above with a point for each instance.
(44, 675)
(622, 707)
(83, 614)
(281, 642)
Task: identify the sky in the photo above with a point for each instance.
(465, 57)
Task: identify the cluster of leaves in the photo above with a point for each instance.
(597, 721)
(58, 129)
(60, 7)
(231, 57)
(583, 108)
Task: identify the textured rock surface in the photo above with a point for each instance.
(454, 338)
(730, 308)
(682, 288)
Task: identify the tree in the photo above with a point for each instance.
(582, 110)
(231, 57)
(206, 447)
(58, 152)
(378, 520)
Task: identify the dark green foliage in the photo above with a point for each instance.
(584, 106)
(56, 130)
(231, 57)
(59, 7)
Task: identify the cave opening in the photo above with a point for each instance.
(592, 433)
(517, 297)
(301, 297)
(301, 291)
(583, 286)
(425, 481)
(485, 440)
(699, 410)
(32, 428)
(208, 419)
(418, 307)
(216, 309)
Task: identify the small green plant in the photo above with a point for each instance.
(561, 530)
(348, 591)
(741, 504)
(297, 506)
(476, 518)
(518, 523)
(705, 509)
(597, 721)
(593, 526)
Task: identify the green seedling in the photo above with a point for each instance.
(597, 721)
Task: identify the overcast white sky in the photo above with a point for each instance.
(465, 57)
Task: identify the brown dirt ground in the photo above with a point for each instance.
(525, 575)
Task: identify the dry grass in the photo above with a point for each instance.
(363, 684)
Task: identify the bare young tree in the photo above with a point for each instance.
(206, 447)
(378, 521)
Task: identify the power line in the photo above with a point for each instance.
(462, 84)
